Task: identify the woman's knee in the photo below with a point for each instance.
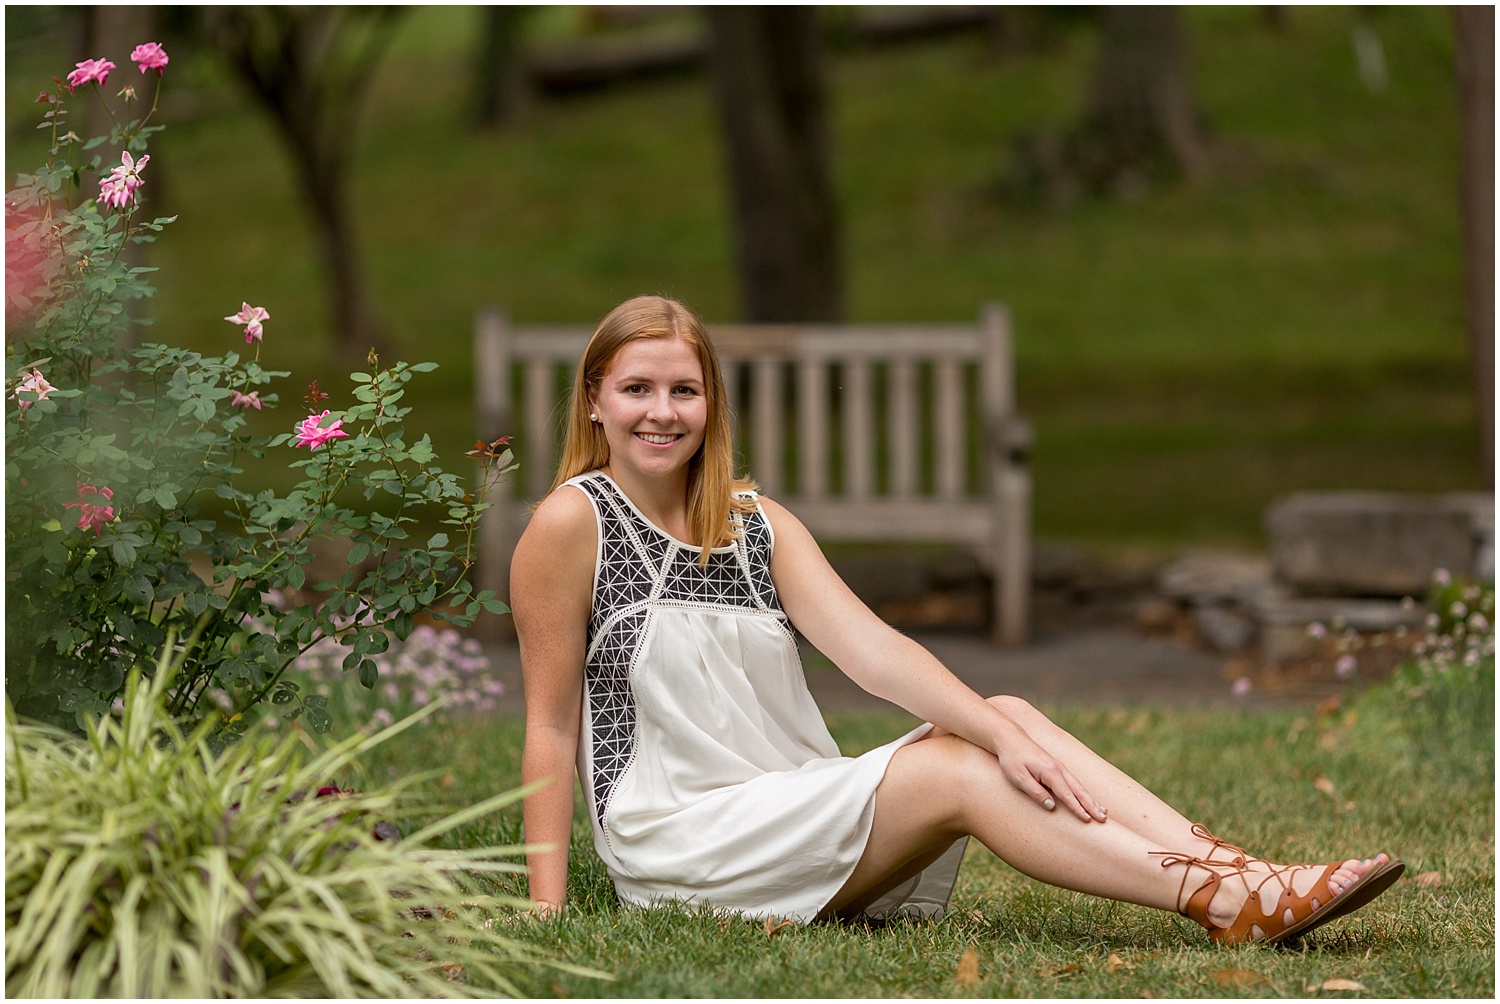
(945, 771)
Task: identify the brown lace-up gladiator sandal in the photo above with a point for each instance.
(1292, 914)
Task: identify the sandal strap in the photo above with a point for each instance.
(1300, 906)
(1241, 856)
(1195, 907)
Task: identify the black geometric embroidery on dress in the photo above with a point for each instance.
(612, 703)
(756, 555)
(721, 584)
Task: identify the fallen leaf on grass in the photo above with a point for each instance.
(1341, 984)
(1327, 742)
(1429, 880)
(1330, 706)
(1115, 963)
(775, 927)
(1067, 970)
(968, 969)
(454, 971)
(1324, 785)
(1237, 977)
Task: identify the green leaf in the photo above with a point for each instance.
(368, 674)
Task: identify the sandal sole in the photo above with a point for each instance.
(1369, 885)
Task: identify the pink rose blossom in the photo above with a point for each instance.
(118, 190)
(312, 435)
(89, 514)
(1241, 687)
(1345, 667)
(250, 400)
(150, 56)
(34, 383)
(251, 317)
(90, 71)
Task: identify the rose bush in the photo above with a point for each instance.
(126, 521)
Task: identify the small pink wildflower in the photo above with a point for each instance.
(90, 71)
(250, 317)
(1241, 687)
(1316, 630)
(89, 513)
(312, 434)
(1345, 667)
(33, 383)
(150, 56)
(250, 400)
(118, 190)
(1442, 578)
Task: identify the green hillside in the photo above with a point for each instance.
(1187, 355)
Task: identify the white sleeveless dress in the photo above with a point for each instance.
(709, 773)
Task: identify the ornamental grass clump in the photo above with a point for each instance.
(144, 862)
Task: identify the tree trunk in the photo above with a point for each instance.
(500, 96)
(1141, 122)
(767, 68)
(1474, 29)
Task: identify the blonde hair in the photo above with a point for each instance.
(712, 485)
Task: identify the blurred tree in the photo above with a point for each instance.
(500, 84)
(1141, 122)
(1474, 29)
(768, 78)
(310, 67)
(1140, 126)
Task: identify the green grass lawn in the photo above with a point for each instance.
(1294, 322)
(1259, 778)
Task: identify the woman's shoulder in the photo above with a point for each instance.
(565, 512)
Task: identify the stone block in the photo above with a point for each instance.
(1376, 543)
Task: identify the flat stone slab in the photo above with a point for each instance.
(1377, 543)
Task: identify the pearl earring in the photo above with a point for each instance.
(593, 417)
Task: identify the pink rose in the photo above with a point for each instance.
(33, 383)
(311, 433)
(250, 317)
(150, 56)
(118, 190)
(90, 71)
(90, 514)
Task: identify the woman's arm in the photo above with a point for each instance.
(892, 666)
(551, 588)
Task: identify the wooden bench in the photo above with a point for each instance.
(867, 432)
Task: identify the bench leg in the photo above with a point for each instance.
(1011, 603)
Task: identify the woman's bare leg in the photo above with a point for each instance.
(944, 787)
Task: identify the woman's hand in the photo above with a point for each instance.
(1040, 775)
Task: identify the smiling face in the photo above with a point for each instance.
(653, 407)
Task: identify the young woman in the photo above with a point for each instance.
(655, 598)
